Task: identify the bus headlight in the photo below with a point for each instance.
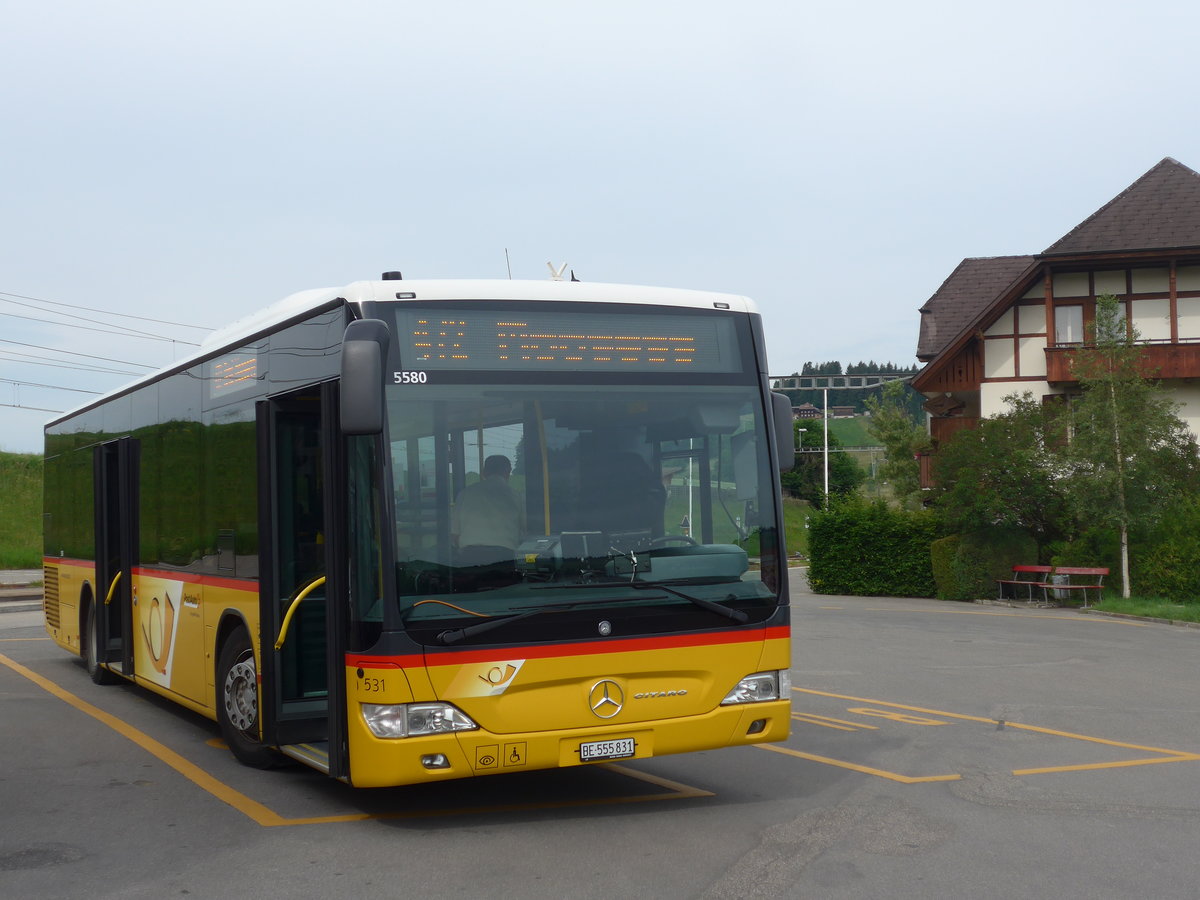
(775, 685)
(399, 720)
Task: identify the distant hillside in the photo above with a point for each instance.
(851, 432)
(20, 510)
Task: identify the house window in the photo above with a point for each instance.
(1068, 324)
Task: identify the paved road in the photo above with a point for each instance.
(938, 750)
(19, 576)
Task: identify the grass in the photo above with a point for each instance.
(795, 512)
(795, 515)
(1150, 608)
(851, 432)
(20, 510)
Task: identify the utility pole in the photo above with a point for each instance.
(826, 403)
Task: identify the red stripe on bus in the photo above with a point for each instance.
(221, 581)
(459, 657)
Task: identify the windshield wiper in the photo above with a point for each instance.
(454, 635)
(737, 615)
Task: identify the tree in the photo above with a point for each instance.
(1130, 455)
(807, 479)
(902, 438)
(1008, 472)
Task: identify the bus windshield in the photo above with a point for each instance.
(553, 506)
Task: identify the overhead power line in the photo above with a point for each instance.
(52, 386)
(123, 362)
(105, 311)
(128, 332)
(38, 408)
(67, 366)
(120, 329)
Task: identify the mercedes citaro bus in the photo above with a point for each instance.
(265, 532)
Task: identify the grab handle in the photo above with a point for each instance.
(287, 619)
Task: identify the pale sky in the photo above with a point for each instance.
(195, 162)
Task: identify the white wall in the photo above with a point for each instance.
(991, 396)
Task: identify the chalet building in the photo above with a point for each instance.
(805, 411)
(1008, 324)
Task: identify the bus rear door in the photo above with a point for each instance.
(115, 484)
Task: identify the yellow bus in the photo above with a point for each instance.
(405, 531)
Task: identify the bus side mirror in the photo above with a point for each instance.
(364, 351)
(785, 433)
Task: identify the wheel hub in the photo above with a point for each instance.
(241, 695)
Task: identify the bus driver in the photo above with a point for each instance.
(488, 520)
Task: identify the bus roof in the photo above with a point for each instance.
(298, 305)
(468, 289)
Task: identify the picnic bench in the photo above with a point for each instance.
(1053, 578)
(1025, 579)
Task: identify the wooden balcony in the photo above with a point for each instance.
(941, 429)
(1159, 360)
(925, 461)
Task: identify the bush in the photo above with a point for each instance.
(867, 549)
(20, 511)
(1168, 563)
(966, 567)
(1095, 547)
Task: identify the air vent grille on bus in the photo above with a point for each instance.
(50, 589)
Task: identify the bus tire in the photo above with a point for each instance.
(238, 703)
(91, 649)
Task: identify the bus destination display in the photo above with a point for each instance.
(564, 341)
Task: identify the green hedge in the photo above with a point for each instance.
(1167, 563)
(20, 510)
(868, 549)
(966, 566)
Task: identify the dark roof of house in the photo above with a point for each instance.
(963, 296)
(1159, 211)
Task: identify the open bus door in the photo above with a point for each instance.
(110, 637)
(303, 688)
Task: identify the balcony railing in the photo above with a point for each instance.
(1160, 359)
(942, 429)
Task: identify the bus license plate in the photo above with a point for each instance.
(593, 751)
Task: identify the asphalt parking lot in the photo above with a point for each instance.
(946, 750)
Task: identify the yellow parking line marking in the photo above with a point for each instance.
(1169, 756)
(854, 767)
(239, 801)
(678, 790)
(814, 719)
(266, 817)
(1188, 757)
(983, 719)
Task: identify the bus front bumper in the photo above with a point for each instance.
(380, 762)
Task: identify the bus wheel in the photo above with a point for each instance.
(237, 703)
(91, 649)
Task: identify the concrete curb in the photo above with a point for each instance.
(20, 597)
(1127, 618)
(13, 606)
(1087, 611)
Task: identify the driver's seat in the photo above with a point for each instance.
(628, 497)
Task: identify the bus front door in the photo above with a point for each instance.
(115, 485)
(302, 688)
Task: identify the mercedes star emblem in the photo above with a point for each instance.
(606, 699)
